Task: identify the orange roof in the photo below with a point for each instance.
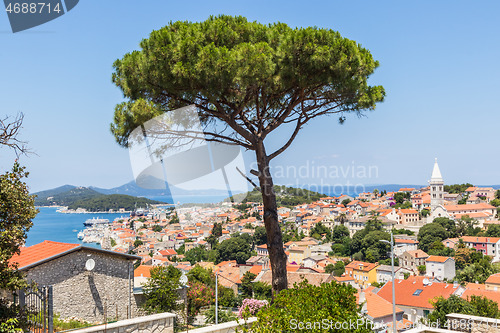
(407, 292)
(493, 279)
(405, 241)
(479, 206)
(473, 239)
(437, 258)
(344, 278)
(168, 252)
(474, 215)
(292, 268)
(408, 211)
(418, 254)
(143, 271)
(490, 294)
(475, 286)
(256, 269)
(376, 306)
(33, 254)
(361, 266)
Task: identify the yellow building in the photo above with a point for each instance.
(297, 254)
(363, 273)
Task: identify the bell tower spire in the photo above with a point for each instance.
(437, 187)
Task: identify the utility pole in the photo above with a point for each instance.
(394, 322)
(216, 299)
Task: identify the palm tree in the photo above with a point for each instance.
(342, 218)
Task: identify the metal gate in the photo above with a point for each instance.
(38, 302)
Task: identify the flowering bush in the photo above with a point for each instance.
(250, 307)
(199, 295)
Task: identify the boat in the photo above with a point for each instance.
(95, 221)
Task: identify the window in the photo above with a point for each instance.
(417, 292)
(426, 313)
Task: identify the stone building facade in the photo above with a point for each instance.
(105, 292)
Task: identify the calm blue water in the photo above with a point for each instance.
(58, 227)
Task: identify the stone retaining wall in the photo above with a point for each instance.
(158, 323)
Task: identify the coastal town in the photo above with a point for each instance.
(335, 238)
(223, 167)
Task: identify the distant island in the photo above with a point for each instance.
(285, 196)
(92, 201)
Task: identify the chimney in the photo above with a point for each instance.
(455, 284)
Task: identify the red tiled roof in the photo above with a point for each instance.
(256, 269)
(479, 206)
(361, 266)
(376, 306)
(490, 294)
(406, 292)
(493, 279)
(437, 258)
(405, 241)
(143, 270)
(473, 239)
(35, 253)
(418, 254)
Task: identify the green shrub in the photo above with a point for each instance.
(319, 308)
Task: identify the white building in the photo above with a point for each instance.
(403, 245)
(384, 273)
(440, 268)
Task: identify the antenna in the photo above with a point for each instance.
(89, 264)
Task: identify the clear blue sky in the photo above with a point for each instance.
(439, 64)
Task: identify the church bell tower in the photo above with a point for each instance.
(437, 187)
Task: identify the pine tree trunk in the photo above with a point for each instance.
(275, 249)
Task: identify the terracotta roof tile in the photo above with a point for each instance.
(407, 292)
(493, 279)
(437, 258)
(143, 271)
(35, 253)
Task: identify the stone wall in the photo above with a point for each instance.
(103, 293)
(158, 323)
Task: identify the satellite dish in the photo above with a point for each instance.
(90, 264)
(183, 279)
(426, 281)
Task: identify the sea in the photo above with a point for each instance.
(61, 227)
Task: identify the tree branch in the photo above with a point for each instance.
(289, 142)
(9, 132)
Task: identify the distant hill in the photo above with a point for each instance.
(105, 202)
(64, 195)
(89, 199)
(285, 196)
(131, 188)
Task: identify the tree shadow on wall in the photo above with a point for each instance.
(95, 295)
